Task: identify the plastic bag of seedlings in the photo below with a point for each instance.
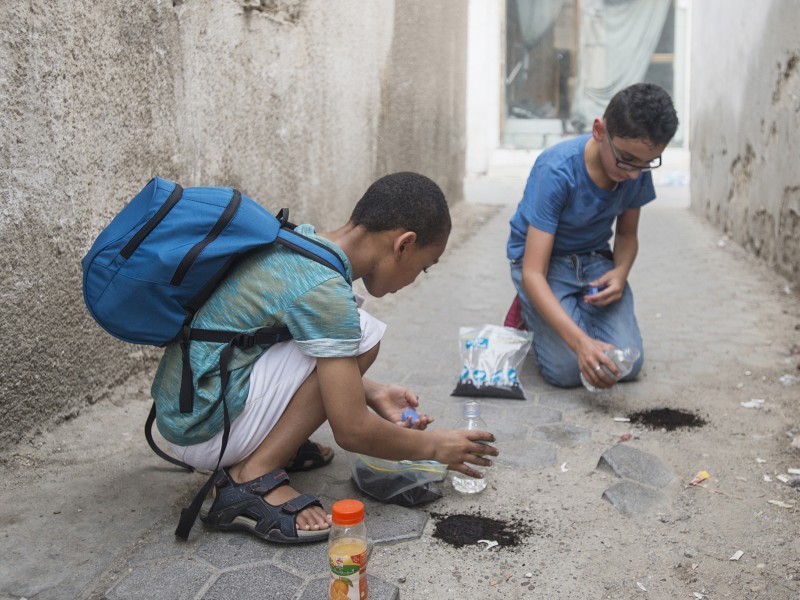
(490, 356)
(404, 482)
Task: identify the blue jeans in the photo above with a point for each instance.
(615, 324)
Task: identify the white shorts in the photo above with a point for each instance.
(274, 380)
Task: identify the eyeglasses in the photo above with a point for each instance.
(626, 166)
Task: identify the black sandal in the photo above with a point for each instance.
(241, 507)
(309, 457)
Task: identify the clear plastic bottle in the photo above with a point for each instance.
(472, 420)
(624, 358)
(347, 552)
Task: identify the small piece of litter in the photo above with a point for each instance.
(622, 419)
(528, 575)
(788, 380)
(756, 403)
(625, 437)
(793, 471)
(780, 504)
(698, 596)
(489, 543)
(740, 478)
(700, 477)
(737, 555)
(767, 478)
(641, 587)
(782, 478)
(760, 461)
(564, 468)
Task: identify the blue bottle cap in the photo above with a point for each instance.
(410, 412)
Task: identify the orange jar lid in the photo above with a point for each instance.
(348, 512)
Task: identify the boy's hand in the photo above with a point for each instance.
(389, 401)
(591, 355)
(458, 447)
(609, 289)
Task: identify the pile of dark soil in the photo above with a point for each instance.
(666, 418)
(466, 530)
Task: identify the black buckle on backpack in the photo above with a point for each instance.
(245, 341)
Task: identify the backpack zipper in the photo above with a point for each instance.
(148, 227)
(225, 218)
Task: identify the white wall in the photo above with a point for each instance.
(745, 95)
(298, 103)
(485, 60)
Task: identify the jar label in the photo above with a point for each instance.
(348, 572)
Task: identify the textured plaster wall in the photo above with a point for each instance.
(299, 103)
(745, 113)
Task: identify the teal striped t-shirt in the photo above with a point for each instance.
(275, 286)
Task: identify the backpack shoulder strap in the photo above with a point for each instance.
(287, 236)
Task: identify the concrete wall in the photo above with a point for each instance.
(745, 93)
(299, 103)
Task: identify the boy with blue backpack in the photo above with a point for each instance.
(572, 288)
(269, 398)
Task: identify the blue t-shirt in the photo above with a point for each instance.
(275, 286)
(561, 199)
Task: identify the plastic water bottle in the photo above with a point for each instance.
(472, 420)
(347, 552)
(624, 359)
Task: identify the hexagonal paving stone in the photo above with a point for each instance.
(562, 434)
(633, 499)
(176, 579)
(164, 544)
(631, 463)
(392, 523)
(567, 400)
(228, 549)
(533, 414)
(257, 582)
(308, 559)
(526, 453)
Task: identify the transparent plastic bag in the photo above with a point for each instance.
(404, 482)
(490, 356)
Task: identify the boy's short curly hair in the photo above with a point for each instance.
(407, 201)
(642, 111)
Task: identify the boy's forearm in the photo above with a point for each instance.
(547, 305)
(345, 395)
(626, 247)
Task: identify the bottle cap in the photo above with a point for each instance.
(348, 512)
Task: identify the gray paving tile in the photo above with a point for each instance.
(164, 544)
(304, 559)
(176, 579)
(561, 434)
(633, 499)
(392, 523)
(631, 463)
(566, 400)
(228, 549)
(526, 453)
(534, 414)
(256, 582)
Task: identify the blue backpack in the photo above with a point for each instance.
(160, 259)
